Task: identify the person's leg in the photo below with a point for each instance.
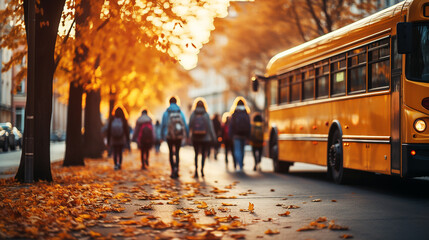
(115, 156)
(147, 156)
(232, 153)
(255, 156)
(226, 153)
(170, 149)
(196, 150)
(142, 156)
(204, 147)
(178, 145)
(121, 147)
(238, 152)
(259, 155)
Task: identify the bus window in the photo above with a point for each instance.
(274, 91)
(285, 89)
(357, 70)
(296, 86)
(338, 75)
(322, 78)
(379, 69)
(308, 84)
(417, 66)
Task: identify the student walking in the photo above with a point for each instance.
(202, 132)
(227, 140)
(158, 136)
(174, 129)
(240, 128)
(118, 134)
(257, 139)
(144, 135)
(218, 130)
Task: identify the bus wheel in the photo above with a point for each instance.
(279, 166)
(335, 158)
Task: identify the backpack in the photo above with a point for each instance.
(117, 128)
(257, 132)
(241, 123)
(146, 134)
(199, 127)
(176, 126)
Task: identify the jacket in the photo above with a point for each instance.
(210, 135)
(164, 121)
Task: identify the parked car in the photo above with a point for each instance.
(18, 137)
(7, 137)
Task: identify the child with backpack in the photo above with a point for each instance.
(257, 139)
(118, 135)
(239, 129)
(226, 139)
(202, 132)
(174, 129)
(144, 136)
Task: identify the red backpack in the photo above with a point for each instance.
(145, 134)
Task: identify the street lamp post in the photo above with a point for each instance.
(29, 128)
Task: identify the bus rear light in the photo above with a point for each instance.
(425, 103)
(413, 153)
(420, 125)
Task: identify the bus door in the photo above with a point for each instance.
(396, 110)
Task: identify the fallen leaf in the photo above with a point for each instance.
(210, 212)
(333, 226)
(251, 207)
(285, 214)
(346, 236)
(228, 204)
(271, 232)
(316, 200)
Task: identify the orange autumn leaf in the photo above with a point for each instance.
(346, 236)
(202, 205)
(223, 228)
(228, 204)
(271, 232)
(210, 212)
(251, 207)
(94, 234)
(285, 214)
(129, 222)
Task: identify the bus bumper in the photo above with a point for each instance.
(415, 160)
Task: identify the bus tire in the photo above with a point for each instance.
(279, 166)
(335, 157)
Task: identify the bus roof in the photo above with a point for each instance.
(329, 44)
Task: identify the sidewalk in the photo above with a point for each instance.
(9, 161)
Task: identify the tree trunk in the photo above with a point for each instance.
(93, 140)
(45, 38)
(73, 155)
(74, 139)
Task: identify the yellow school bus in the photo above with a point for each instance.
(355, 98)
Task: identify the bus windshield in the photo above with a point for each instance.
(417, 66)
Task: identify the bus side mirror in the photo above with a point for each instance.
(255, 84)
(404, 33)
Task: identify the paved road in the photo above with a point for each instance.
(371, 206)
